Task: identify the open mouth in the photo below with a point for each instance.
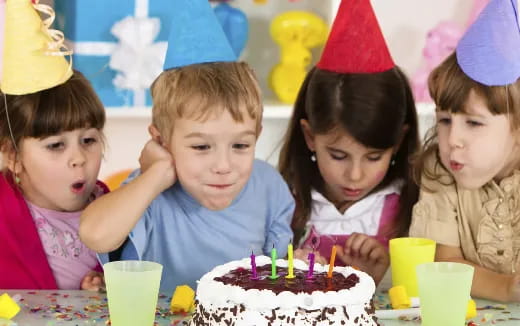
(78, 187)
(456, 166)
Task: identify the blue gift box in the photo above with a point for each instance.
(87, 25)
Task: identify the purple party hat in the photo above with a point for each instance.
(489, 52)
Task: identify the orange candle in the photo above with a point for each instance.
(331, 263)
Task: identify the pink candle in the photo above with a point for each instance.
(311, 265)
(253, 267)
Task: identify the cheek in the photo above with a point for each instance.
(379, 176)
(331, 171)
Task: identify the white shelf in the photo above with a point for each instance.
(271, 111)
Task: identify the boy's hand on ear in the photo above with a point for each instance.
(366, 254)
(93, 281)
(156, 156)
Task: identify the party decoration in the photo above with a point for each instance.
(235, 25)
(2, 25)
(33, 54)
(296, 32)
(488, 52)
(356, 43)
(114, 43)
(441, 41)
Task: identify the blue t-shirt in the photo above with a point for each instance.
(189, 240)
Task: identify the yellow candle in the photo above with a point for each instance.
(290, 261)
(331, 263)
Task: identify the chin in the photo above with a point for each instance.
(217, 205)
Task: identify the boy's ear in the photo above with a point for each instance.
(308, 134)
(156, 135)
(401, 138)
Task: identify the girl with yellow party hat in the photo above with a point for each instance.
(51, 142)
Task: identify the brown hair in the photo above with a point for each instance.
(200, 90)
(450, 88)
(373, 108)
(71, 105)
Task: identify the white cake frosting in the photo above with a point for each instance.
(225, 304)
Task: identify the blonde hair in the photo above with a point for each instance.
(450, 88)
(202, 90)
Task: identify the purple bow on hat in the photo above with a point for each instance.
(489, 52)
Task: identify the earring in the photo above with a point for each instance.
(313, 157)
(392, 162)
(17, 179)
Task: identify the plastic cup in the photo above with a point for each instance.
(405, 255)
(132, 291)
(444, 291)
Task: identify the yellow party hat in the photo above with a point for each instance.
(34, 54)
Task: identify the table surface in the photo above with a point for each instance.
(78, 308)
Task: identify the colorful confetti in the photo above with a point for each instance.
(55, 308)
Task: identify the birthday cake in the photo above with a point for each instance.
(230, 294)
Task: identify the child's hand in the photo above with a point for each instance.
(303, 254)
(93, 281)
(153, 154)
(365, 253)
(514, 288)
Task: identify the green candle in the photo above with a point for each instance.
(273, 264)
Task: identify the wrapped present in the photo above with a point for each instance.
(118, 45)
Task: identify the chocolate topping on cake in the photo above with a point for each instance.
(300, 283)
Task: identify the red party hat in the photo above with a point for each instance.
(356, 44)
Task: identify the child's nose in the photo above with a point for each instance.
(355, 172)
(77, 159)
(222, 164)
(455, 139)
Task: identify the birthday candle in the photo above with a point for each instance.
(291, 261)
(311, 265)
(331, 263)
(273, 264)
(253, 267)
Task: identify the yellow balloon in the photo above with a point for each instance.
(296, 32)
(300, 27)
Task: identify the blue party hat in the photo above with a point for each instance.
(196, 36)
(489, 52)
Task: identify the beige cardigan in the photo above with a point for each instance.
(484, 223)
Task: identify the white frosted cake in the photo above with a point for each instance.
(228, 295)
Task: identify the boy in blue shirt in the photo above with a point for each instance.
(200, 198)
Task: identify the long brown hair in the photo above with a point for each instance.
(373, 108)
(450, 88)
(65, 107)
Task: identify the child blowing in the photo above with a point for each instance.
(51, 141)
(470, 183)
(200, 199)
(347, 151)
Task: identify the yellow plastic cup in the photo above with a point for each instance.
(444, 291)
(132, 291)
(405, 255)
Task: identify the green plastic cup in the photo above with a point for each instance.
(405, 255)
(444, 291)
(132, 291)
